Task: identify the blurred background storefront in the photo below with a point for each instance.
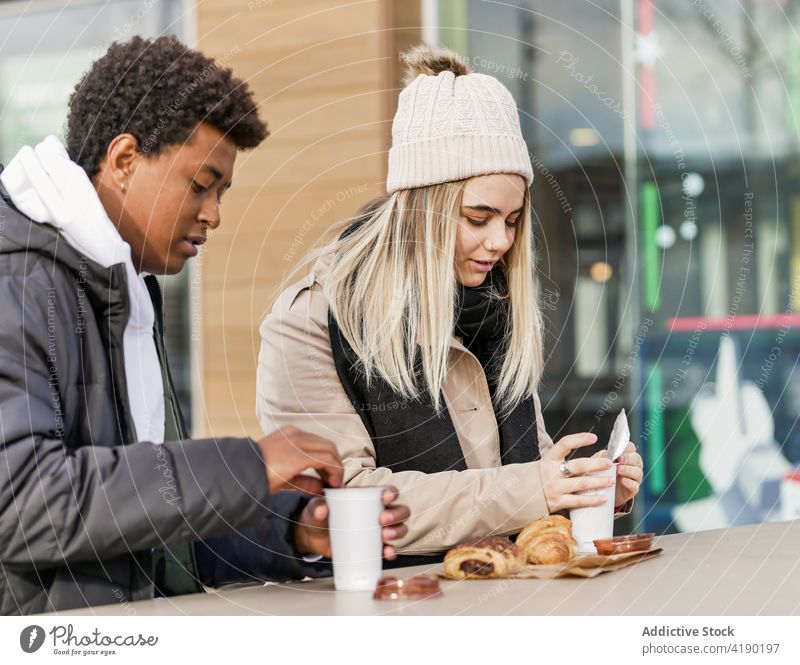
(665, 148)
(664, 138)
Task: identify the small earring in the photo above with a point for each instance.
(122, 186)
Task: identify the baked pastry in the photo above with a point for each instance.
(548, 540)
(480, 558)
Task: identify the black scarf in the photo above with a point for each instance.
(481, 315)
(409, 434)
(481, 319)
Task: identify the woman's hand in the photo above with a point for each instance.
(560, 491)
(311, 531)
(630, 473)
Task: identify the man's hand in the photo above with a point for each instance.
(288, 452)
(311, 531)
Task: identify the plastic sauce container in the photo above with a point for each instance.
(622, 544)
(419, 587)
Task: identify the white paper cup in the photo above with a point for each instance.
(355, 530)
(595, 522)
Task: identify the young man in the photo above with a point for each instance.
(102, 497)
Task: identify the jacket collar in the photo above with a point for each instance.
(22, 234)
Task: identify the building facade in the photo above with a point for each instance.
(666, 158)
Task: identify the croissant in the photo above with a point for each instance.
(480, 558)
(548, 540)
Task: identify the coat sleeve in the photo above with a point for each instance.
(261, 553)
(298, 385)
(86, 500)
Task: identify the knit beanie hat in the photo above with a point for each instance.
(452, 124)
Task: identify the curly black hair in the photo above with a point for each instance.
(158, 90)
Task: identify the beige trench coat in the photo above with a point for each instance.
(298, 385)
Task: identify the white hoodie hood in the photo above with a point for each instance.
(49, 188)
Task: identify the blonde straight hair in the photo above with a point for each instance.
(392, 289)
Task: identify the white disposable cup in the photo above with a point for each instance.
(355, 531)
(595, 522)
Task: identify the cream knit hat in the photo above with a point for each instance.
(452, 124)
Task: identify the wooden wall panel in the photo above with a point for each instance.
(325, 77)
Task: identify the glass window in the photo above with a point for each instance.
(665, 143)
(562, 63)
(718, 234)
(46, 47)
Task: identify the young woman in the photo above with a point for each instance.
(415, 342)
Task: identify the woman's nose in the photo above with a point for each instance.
(496, 237)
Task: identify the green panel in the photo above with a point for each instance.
(689, 480)
(454, 25)
(651, 256)
(656, 472)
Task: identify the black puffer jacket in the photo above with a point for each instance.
(86, 512)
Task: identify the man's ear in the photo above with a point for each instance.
(122, 156)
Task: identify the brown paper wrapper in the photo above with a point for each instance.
(585, 565)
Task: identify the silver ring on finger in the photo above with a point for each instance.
(564, 468)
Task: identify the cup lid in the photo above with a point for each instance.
(354, 490)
